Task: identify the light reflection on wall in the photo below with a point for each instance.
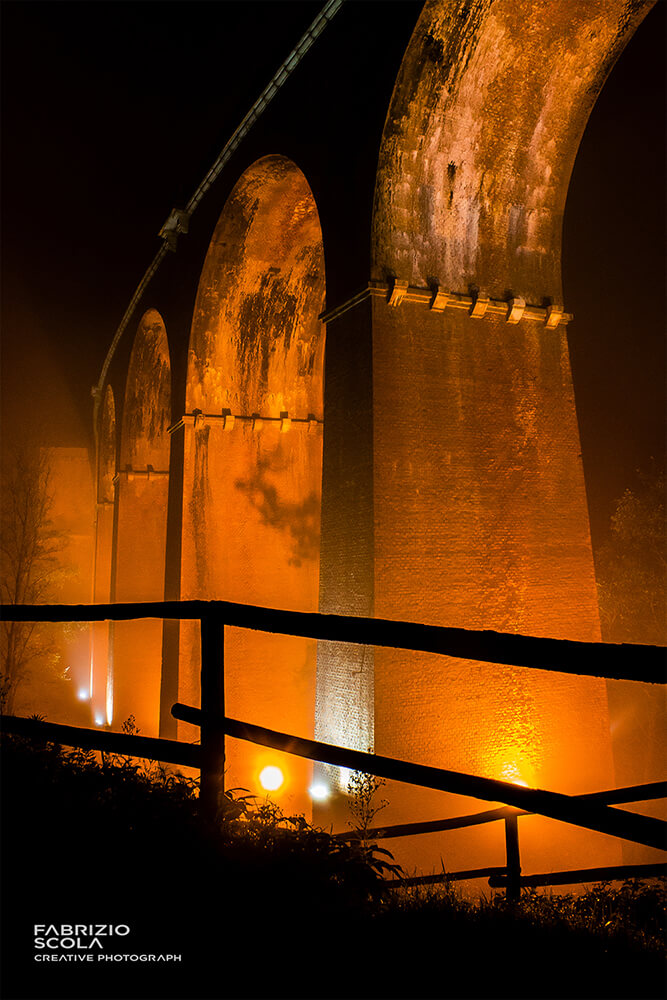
(108, 705)
(101, 680)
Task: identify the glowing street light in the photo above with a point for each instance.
(83, 694)
(319, 792)
(271, 778)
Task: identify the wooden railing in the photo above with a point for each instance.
(510, 876)
(593, 812)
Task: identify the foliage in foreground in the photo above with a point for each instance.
(634, 911)
(263, 905)
(145, 813)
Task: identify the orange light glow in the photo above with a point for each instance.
(109, 701)
(271, 778)
(511, 771)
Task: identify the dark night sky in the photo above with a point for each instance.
(112, 113)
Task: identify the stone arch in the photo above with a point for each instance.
(107, 456)
(256, 343)
(107, 449)
(253, 447)
(147, 405)
(475, 496)
(142, 486)
(486, 117)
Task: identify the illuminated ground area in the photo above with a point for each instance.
(255, 911)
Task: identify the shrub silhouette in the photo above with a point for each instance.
(265, 905)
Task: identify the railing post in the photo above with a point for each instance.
(212, 785)
(513, 890)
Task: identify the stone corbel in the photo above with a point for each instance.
(554, 316)
(516, 309)
(440, 300)
(481, 304)
(398, 292)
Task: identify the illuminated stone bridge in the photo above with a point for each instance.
(349, 390)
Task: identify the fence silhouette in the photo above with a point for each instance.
(594, 811)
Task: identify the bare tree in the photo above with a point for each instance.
(632, 592)
(632, 567)
(30, 567)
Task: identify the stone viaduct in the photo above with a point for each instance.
(349, 390)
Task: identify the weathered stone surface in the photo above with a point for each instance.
(147, 405)
(483, 128)
(256, 345)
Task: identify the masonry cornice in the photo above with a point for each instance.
(438, 300)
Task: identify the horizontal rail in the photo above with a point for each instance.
(431, 826)
(615, 873)
(168, 751)
(189, 755)
(624, 661)
(401, 883)
(633, 793)
(604, 819)
(172, 751)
